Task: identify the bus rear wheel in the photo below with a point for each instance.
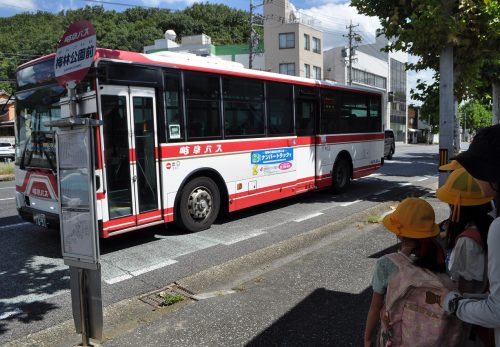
(341, 175)
(199, 204)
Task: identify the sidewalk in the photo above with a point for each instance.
(317, 295)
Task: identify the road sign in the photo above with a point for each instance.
(75, 53)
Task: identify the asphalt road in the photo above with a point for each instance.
(34, 291)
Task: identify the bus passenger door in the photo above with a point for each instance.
(306, 110)
(130, 157)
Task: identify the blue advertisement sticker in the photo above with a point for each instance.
(271, 156)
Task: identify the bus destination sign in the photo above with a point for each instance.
(75, 53)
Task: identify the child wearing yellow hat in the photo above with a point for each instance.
(482, 161)
(467, 230)
(413, 222)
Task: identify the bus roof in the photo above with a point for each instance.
(207, 64)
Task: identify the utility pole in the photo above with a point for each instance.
(352, 37)
(253, 34)
(446, 102)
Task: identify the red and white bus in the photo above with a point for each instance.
(186, 138)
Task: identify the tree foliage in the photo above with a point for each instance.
(424, 27)
(474, 116)
(29, 35)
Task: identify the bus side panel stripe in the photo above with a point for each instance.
(365, 170)
(148, 217)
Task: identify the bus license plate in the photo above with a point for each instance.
(40, 220)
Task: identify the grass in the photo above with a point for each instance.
(6, 168)
(170, 299)
(373, 218)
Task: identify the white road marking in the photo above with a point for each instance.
(153, 267)
(8, 187)
(349, 203)
(118, 279)
(9, 314)
(382, 192)
(14, 225)
(29, 298)
(421, 179)
(7, 199)
(135, 273)
(243, 237)
(308, 217)
(405, 184)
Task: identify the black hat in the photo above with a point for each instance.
(482, 159)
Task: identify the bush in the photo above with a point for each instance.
(6, 168)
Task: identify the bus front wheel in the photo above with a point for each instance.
(341, 175)
(199, 204)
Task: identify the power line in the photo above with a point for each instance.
(120, 4)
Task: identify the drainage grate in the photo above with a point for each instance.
(155, 300)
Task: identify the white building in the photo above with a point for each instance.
(201, 45)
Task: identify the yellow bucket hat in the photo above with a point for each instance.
(413, 218)
(461, 189)
(452, 165)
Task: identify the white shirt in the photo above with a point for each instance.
(467, 260)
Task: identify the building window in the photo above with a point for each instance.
(317, 72)
(307, 71)
(316, 45)
(307, 42)
(287, 40)
(368, 78)
(287, 69)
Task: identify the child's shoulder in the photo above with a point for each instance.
(387, 261)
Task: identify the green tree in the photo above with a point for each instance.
(474, 116)
(429, 96)
(30, 35)
(421, 28)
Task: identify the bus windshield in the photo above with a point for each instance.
(34, 140)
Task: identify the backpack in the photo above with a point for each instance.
(407, 320)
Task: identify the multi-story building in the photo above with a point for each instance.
(292, 42)
(374, 68)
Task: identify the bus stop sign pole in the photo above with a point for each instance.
(77, 214)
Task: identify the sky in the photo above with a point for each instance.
(334, 16)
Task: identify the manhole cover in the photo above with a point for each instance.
(154, 299)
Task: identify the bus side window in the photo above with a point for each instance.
(305, 110)
(279, 109)
(173, 110)
(331, 120)
(243, 100)
(202, 105)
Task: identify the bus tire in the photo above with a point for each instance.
(341, 175)
(199, 204)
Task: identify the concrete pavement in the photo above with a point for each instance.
(312, 289)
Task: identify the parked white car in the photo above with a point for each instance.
(7, 151)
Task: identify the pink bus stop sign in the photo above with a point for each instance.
(75, 52)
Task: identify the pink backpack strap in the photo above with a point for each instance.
(472, 233)
(399, 259)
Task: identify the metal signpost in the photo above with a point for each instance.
(76, 180)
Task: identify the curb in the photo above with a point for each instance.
(127, 315)
(252, 264)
